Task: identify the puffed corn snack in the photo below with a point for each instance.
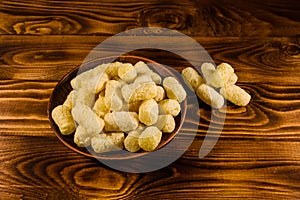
(215, 84)
(120, 105)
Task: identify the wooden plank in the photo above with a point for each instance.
(24, 107)
(202, 18)
(28, 77)
(272, 113)
(237, 169)
(255, 59)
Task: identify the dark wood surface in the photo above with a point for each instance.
(258, 153)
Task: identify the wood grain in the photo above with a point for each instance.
(254, 58)
(24, 107)
(33, 82)
(257, 155)
(230, 171)
(202, 18)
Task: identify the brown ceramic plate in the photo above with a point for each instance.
(63, 88)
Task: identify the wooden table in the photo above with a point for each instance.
(258, 153)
